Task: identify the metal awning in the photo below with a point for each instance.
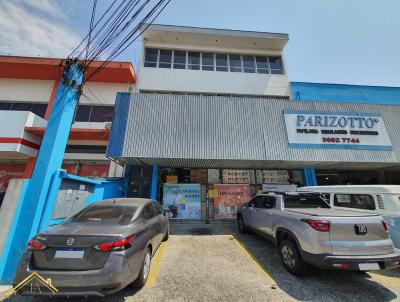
(232, 132)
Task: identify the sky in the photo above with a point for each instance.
(330, 41)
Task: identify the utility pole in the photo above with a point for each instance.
(40, 192)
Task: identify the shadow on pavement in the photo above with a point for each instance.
(317, 285)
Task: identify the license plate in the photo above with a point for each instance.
(69, 253)
(369, 266)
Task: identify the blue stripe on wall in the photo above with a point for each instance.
(117, 136)
(345, 93)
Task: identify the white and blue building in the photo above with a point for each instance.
(212, 108)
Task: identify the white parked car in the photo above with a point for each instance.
(380, 199)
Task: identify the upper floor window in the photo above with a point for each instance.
(235, 63)
(179, 59)
(275, 64)
(262, 64)
(94, 114)
(38, 109)
(221, 62)
(165, 58)
(193, 60)
(151, 57)
(207, 61)
(248, 64)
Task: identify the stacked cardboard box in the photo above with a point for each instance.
(238, 176)
(274, 177)
(198, 176)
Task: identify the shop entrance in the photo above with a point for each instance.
(209, 195)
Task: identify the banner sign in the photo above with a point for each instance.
(229, 199)
(182, 200)
(336, 130)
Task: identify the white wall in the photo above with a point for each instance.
(198, 81)
(213, 82)
(98, 94)
(94, 93)
(25, 90)
(12, 125)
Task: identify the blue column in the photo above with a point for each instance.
(49, 160)
(154, 183)
(309, 177)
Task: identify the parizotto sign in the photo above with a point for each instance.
(338, 130)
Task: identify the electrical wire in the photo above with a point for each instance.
(118, 27)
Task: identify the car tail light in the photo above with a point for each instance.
(385, 226)
(318, 225)
(119, 245)
(36, 245)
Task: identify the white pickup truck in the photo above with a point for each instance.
(308, 231)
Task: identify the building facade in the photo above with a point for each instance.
(214, 122)
(27, 90)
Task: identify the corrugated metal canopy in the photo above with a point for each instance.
(232, 132)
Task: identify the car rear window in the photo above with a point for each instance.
(305, 201)
(356, 201)
(105, 215)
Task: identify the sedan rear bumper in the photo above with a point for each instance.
(115, 275)
(388, 261)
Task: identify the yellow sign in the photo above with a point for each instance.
(172, 179)
(30, 280)
(213, 193)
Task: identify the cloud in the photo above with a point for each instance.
(34, 28)
(44, 6)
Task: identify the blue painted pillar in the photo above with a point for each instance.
(48, 163)
(154, 182)
(309, 177)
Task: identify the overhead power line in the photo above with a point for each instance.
(116, 29)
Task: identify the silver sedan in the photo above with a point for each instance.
(98, 251)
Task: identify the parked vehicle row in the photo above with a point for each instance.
(307, 230)
(100, 250)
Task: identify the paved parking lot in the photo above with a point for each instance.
(215, 263)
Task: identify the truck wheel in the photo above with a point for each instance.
(241, 226)
(291, 258)
(144, 271)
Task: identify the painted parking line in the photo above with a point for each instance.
(255, 262)
(155, 268)
(252, 258)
